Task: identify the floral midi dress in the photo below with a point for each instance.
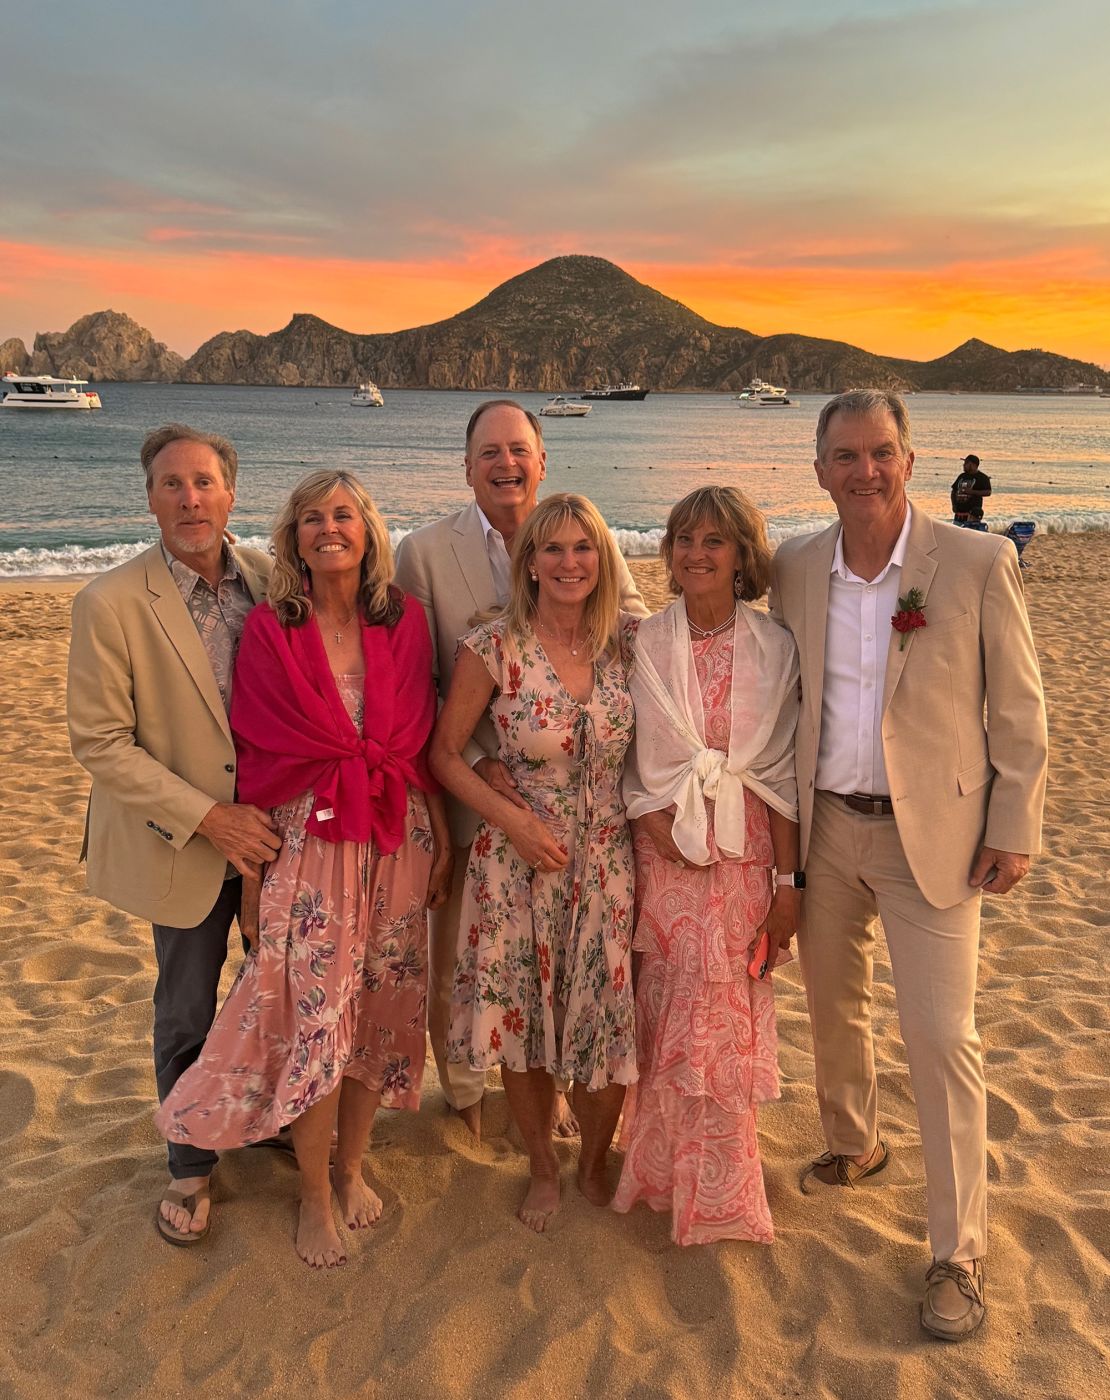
(544, 975)
(336, 985)
(705, 1028)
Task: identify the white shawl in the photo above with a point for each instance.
(669, 764)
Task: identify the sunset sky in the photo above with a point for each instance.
(900, 174)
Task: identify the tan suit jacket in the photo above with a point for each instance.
(147, 721)
(445, 566)
(963, 728)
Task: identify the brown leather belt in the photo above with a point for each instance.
(865, 803)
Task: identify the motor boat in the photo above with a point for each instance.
(368, 395)
(562, 407)
(616, 391)
(44, 391)
(760, 395)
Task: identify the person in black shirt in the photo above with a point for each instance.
(968, 491)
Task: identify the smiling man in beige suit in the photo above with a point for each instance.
(152, 650)
(458, 567)
(921, 755)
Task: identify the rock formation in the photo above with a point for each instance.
(568, 324)
(13, 356)
(105, 346)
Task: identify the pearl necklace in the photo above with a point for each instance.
(704, 632)
(570, 646)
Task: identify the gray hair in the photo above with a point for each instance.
(533, 422)
(862, 403)
(181, 432)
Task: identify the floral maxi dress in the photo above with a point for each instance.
(544, 976)
(336, 986)
(705, 1028)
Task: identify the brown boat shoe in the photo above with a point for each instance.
(836, 1169)
(954, 1298)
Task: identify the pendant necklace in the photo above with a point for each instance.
(703, 632)
(338, 633)
(570, 646)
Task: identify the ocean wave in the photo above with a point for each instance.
(75, 560)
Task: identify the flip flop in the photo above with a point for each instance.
(190, 1202)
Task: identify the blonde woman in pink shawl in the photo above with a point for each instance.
(710, 788)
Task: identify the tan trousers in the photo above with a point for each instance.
(462, 1086)
(855, 870)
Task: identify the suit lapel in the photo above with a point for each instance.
(918, 569)
(811, 648)
(169, 608)
(469, 546)
(253, 577)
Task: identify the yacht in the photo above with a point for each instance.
(44, 391)
(368, 395)
(760, 395)
(562, 407)
(616, 391)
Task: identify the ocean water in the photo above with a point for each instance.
(73, 499)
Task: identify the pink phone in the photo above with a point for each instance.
(760, 965)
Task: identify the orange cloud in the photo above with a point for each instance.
(1058, 301)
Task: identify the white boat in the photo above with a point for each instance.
(368, 395)
(562, 407)
(760, 395)
(44, 391)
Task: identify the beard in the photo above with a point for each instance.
(195, 541)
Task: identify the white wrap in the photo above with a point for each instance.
(669, 763)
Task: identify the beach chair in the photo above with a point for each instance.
(1021, 532)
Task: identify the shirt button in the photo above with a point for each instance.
(867, 636)
(869, 589)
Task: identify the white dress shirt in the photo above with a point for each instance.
(857, 639)
(498, 556)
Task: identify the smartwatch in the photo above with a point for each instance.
(797, 878)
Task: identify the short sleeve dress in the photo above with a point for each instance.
(544, 976)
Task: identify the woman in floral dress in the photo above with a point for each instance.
(332, 709)
(711, 789)
(543, 986)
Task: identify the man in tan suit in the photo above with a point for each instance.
(459, 567)
(151, 656)
(921, 756)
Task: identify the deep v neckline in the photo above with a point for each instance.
(582, 704)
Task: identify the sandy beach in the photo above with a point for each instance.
(449, 1295)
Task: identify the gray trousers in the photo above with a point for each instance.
(190, 961)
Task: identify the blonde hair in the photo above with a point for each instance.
(735, 516)
(378, 601)
(601, 613)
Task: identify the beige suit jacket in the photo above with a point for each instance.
(445, 566)
(147, 721)
(963, 726)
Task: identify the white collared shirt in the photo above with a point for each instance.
(498, 556)
(857, 640)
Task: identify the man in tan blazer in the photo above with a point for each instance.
(151, 656)
(459, 567)
(921, 756)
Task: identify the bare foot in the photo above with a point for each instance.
(317, 1238)
(563, 1122)
(541, 1202)
(593, 1182)
(178, 1216)
(360, 1206)
(472, 1118)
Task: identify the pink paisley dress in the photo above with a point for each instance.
(705, 1029)
(336, 985)
(544, 978)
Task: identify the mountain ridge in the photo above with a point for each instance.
(569, 323)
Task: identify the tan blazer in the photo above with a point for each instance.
(963, 728)
(445, 566)
(147, 721)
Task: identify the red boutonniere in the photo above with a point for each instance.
(910, 615)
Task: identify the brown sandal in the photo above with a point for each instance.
(836, 1169)
(190, 1202)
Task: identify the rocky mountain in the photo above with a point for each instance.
(568, 324)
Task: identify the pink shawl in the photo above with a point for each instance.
(292, 732)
